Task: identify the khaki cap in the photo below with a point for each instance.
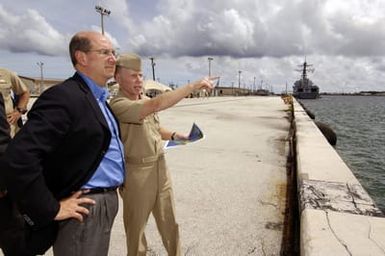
(130, 61)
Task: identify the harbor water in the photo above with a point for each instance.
(359, 122)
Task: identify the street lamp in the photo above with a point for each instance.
(210, 59)
(103, 12)
(153, 67)
(239, 79)
(40, 64)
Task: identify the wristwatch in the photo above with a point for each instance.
(21, 110)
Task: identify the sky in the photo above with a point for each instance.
(267, 41)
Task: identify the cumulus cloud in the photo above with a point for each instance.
(120, 13)
(344, 39)
(30, 32)
(235, 28)
(249, 28)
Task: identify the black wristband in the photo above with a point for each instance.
(21, 110)
(173, 136)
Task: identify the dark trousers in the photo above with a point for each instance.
(92, 236)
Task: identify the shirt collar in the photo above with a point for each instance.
(100, 93)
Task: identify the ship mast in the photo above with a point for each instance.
(305, 68)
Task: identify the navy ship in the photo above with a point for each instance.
(304, 88)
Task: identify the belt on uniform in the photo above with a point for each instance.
(144, 160)
(98, 190)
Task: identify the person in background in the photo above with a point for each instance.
(63, 167)
(147, 186)
(11, 83)
(4, 139)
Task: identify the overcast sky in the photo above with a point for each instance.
(343, 39)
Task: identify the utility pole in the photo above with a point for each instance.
(103, 12)
(254, 84)
(239, 79)
(153, 67)
(210, 59)
(40, 64)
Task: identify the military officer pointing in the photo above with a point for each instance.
(147, 186)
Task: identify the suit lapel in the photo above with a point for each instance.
(91, 100)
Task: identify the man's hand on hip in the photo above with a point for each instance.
(71, 207)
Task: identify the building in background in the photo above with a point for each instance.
(153, 88)
(35, 84)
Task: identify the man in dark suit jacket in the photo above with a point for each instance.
(63, 167)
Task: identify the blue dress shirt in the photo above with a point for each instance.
(110, 172)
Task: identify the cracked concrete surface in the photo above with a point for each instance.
(336, 236)
(337, 196)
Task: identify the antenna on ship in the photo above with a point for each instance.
(305, 68)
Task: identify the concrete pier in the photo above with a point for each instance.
(230, 187)
(337, 215)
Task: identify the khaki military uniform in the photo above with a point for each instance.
(147, 186)
(9, 81)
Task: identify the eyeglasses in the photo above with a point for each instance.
(105, 52)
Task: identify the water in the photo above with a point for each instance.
(359, 122)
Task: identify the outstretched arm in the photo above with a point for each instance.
(169, 99)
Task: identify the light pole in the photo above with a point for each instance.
(210, 59)
(254, 84)
(40, 64)
(103, 12)
(153, 67)
(239, 79)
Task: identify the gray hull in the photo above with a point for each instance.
(306, 95)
